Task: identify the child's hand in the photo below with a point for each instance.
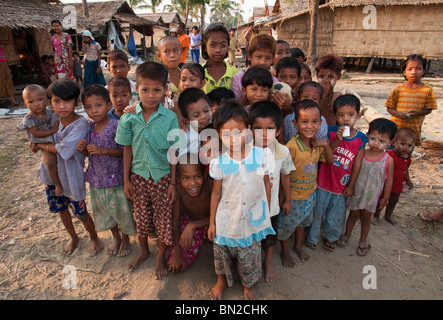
(382, 203)
(183, 124)
(409, 184)
(340, 133)
(33, 147)
(130, 109)
(95, 149)
(282, 99)
(317, 142)
(349, 191)
(82, 146)
(171, 193)
(129, 191)
(287, 206)
(211, 232)
(412, 114)
(55, 126)
(186, 237)
(99, 70)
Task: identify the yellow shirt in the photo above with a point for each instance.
(403, 99)
(225, 81)
(304, 179)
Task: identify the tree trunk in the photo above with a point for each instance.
(202, 17)
(85, 8)
(312, 54)
(187, 13)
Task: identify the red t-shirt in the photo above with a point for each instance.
(400, 167)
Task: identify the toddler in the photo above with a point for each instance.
(60, 67)
(77, 70)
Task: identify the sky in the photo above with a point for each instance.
(246, 7)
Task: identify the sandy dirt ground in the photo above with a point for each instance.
(406, 260)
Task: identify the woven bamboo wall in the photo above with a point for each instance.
(296, 31)
(401, 30)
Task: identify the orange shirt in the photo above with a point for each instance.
(403, 99)
(184, 43)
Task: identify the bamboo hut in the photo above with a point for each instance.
(369, 28)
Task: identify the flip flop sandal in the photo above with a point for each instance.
(363, 251)
(311, 246)
(342, 242)
(328, 245)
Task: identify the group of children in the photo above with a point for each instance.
(54, 69)
(212, 153)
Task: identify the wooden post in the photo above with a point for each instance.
(370, 64)
(145, 54)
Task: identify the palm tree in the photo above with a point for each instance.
(141, 4)
(221, 10)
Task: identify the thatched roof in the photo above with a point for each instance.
(119, 11)
(33, 14)
(355, 3)
(167, 17)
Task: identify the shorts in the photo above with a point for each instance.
(247, 260)
(59, 204)
(301, 215)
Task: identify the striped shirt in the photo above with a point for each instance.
(403, 99)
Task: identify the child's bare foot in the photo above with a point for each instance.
(137, 261)
(161, 269)
(301, 254)
(270, 274)
(97, 245)
(286, 259)
(70, 246)
(113, 248)
(343, 240)
(375, 220)
(250, 293)
(125, 248)
(391, 220)
(219, 288)
(58, 190)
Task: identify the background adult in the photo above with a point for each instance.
(195, 42)
(61, 42)
(184, 42)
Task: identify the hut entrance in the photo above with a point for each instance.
(29, 65)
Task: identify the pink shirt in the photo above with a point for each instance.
(335, 177)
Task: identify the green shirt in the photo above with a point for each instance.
(149, 140)
(224, 81)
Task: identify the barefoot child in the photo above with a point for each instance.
(410, 102)
(111, 210)
(40, 124)
(265, 118)
(306, 151)
(404, 142)
(169, 53)
(64, 97)
(149, 178)
(190, 216)
(256, 86)
(239, 218)
(215, 45)
(328, 69)
(336, 182)
(60, 68)
(374, 182)
(77, 69)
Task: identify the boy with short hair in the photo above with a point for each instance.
(283, 51)
(328, 69)
(306, 151)
(148, 163)
(265, 118)
(336, 181)
(120, 93)
(118, 66)
(313, 91)
(191, 211)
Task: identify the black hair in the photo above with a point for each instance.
(190, 159)
(120, 82)
(95, 90)
(44, 57)
(257, 75)
(283, 41)
(220, 95)
(190, 95)
(75, 53)
(152, 70)
(305, 105)
(310, 84)
(383, 126)
(288, 62)
(297, 52)
(56, 21)
(414, 57)
(347, 100)
(212, 28)
(266, 109)
(194, 68)
(408, 132)
(195, 27)
(231, 110)
(65, 89)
